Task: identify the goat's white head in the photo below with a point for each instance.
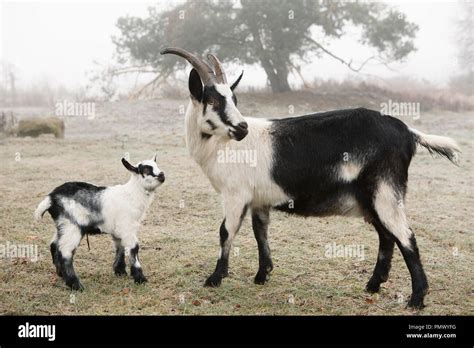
(216, 98)
(147, 173)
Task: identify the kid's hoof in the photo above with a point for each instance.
(120, 272)
(141, 279)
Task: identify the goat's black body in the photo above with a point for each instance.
(83, 193)
(308, 150)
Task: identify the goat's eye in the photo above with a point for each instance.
(146, 171)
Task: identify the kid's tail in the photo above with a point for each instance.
(42, 208)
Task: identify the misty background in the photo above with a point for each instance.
(67, 47)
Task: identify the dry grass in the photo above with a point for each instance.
(179, 240)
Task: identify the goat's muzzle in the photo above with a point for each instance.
(240, 131)
(161, 177)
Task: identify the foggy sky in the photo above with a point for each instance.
(58, 42)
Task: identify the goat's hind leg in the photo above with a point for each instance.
(418, 277)
(69, 238)
(391, 215)
(53, 247)
(384, 258)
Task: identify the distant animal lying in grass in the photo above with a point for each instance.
(34, 127)
(7, 123)
(79, 208)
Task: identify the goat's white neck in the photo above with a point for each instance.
(134, 187)
(235, 179)
(203, 151)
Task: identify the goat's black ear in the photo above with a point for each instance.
(195, 85)
(129, 166)
(236, 83)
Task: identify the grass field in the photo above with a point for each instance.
(179, 239)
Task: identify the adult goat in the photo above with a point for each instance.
(344, 162)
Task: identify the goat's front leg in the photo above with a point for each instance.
(119, 263)
(130, 243)
(234, 212)
(260, 221)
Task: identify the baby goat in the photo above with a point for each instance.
(79, 208)
(342, 162)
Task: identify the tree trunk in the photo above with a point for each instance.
(278, 77)
(277, 73)
(282, 84)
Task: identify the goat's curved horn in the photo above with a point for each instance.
(205, 71)
(220, 74)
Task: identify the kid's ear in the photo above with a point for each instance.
(195, 85)
(129, 167)
(154, 157)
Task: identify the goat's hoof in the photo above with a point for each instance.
(213, 281)
(261, 278)
(141, 279)
(416, 301)
(76, 285)
(138, 275)
(372, 287)
(120, 272)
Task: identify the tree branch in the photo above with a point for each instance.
(298, 71)
(133, 69)
(140, 91)
(346, 63)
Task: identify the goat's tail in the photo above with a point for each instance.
(443, 146)
(42, 208)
